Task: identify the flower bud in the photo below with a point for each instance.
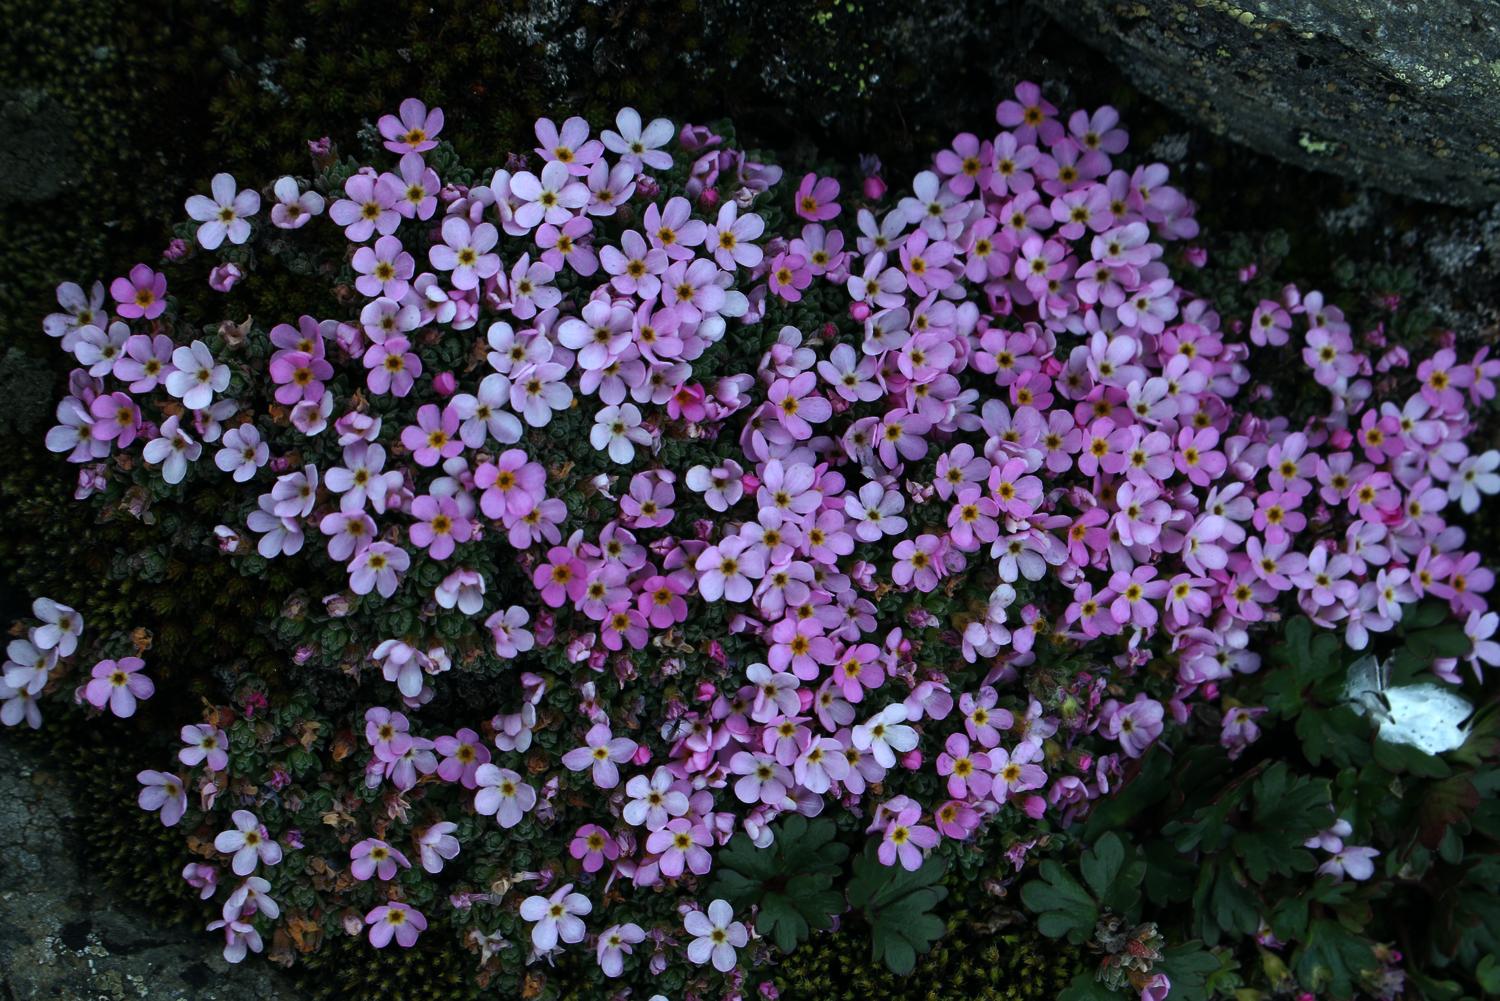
(874, 188)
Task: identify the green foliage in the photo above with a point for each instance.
(1113, 873)
(896, 903)
(788, 879)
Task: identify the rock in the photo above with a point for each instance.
(1402, 94)
(36, 157)
(65, 938)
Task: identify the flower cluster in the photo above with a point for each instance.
(908, 564)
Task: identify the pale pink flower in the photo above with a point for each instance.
(601, 752)
(119, 684)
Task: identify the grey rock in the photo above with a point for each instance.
(36, 158)
(65, 938)
(1402, 94)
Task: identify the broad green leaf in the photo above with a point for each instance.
(1331, 959)
(1445, 803)
(1134, 798)
(1113, 879)
(1087, 987)
(1188, 966)
(896, 904)
(1169, 873)
(1063, 906)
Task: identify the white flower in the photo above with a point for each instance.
(243, 452)
(197, 377)
(556, 917)
(616, 428)
(61, 626)
(224, 214)
(1476, 475)
(639, 146)
(293, 210)
(884, 735)
(174, 450)
(720, 486)
(718, 935)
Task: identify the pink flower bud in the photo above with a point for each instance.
(706, 691)
(176, 250)
(642, 756)
(806, 696)
(224, 277)
(859, 311)
(874, 188)
(444, 384)
(911, 760)
(709, 198)
(1196, 256)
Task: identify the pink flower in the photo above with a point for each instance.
(119, 684)
(440, 525)
(376, 567)
(163, 792)
(512, 484)
(115, 418)
(1015, 771)
(293, 210)
(503, 795)
(1136, 590)
(463, 754)
(548, 198)
(465, 252)
(682, 844)
(789, 275)
(593, 845)
(395, 920)
(1240, 729)
(815, 198)
(557, 917)
(145, 362)
(369, 208)
(571, 146)
(438, 843)
(143, 294)
(1135, 725)
(615, 941)
(373, 857)
(729, 238)
(393, 366)
(1351, 861)
(920, 562)
(205, 743)
(965, 771)
(385, 269)
(414, 132)
(434, 437)
(640, 147)
(563, 577)
(725, 570)
(601, 752)
(249, 842)
(904, 838)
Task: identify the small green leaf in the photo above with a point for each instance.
(1188, 966)
(1488, 974)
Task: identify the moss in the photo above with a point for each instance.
(968, 965)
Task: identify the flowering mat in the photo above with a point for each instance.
(705, 585)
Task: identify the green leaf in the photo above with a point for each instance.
(897, 904)
(1445, 803)
(1169, 873)
(1188, 966)
(1488, 974)
(1063, 907)
(1331, 958)
(1134, 798)
(1448, 640)
(790, 879)
(1288, 811)
(1087, 987)
(1114, 881)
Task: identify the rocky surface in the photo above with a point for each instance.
(1403, 94)
(64, 938)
